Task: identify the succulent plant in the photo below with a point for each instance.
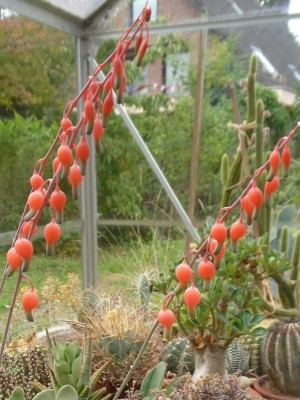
(67, 360)
(24, 369)
(252, 346)
(215, 387)
(237, 358)
(72, 366)
(66, 392)
(281, 349)
(179, 356)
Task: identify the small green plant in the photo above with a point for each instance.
(72, 366)
(66, 392)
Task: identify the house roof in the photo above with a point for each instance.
(274, 44)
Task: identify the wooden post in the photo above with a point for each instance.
(192, 192)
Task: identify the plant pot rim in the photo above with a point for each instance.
(257, 386)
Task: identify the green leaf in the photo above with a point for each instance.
(256, 319)
(87, 365)
(17, 394)
(76, 368)
(258, 331)
(224, 319)
(67, 392)
(153, 380)
(48, 394)
(173, 385)
(62, 368)
(72, 351)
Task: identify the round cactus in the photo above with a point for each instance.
(178, 355)
(281, 350)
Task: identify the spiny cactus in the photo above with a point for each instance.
(281, 350)
(236, 358)
(143, 288)
(252, 346)
(179, 356)
(234, 173)
(23, 370)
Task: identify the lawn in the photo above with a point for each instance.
(58, 279)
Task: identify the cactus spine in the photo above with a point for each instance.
(281, 350)
(179, 356)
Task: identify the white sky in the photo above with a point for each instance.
(295, 24)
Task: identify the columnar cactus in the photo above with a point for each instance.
(281, 350)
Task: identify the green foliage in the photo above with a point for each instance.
(67, 392)
(22, 141)
(153, 380)
(278, 120)
(71, 367)
(37, 68)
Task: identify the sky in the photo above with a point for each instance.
(294, 25)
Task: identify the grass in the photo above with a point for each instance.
(120, 265)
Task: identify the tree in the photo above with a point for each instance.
(37, 68)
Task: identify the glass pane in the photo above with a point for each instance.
(138, 5)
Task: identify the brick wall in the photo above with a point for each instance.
(173, 10)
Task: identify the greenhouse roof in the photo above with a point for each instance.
(70, 16)
(77, 16)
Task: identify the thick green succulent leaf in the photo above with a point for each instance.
(67, 392)
(17, 394)
(48, 394)
(76, 368)
(58, 351)
(66, 379)
(72, 352)
(153, 379)
(62, 368)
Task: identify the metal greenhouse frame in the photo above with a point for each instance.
(81, 19)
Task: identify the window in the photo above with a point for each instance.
(176, 73)
(138, 5)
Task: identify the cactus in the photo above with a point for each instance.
(179, 356)
(281, 349)
(24, 369)
(143, 288)
(224, 168)
(236, 358)
(235, 170)
(252, 346)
